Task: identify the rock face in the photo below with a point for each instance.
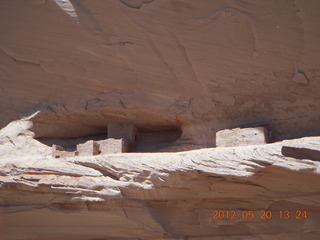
(268, 191)
(200, 66)
(179, 73)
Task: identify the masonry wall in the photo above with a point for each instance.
(241, 137)
(88, 148)
(125, 131)
(113, 146)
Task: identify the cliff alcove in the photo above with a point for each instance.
(70, 129)
(200, 81)
(148, 141)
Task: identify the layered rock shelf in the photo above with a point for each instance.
(159, 119)
(162, 195)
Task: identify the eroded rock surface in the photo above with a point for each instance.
(162, 64)
(242, 137)
(161, 195)
(179, 71)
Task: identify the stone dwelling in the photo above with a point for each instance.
(242, 137)
(121, 139)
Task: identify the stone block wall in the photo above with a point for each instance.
(241, 137)
(88, 148)
(125, 131)
(113, 146)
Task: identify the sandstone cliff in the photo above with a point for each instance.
(161, 195)
(199, 65)
(179, 71)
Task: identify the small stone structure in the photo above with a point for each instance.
(113, 146)
(59, 152)
(91, 148)
(121, 138)
(126, 131)
(88, 148)
(241, 137)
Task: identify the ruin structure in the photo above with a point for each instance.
(241, 137)
(91, 148)
(126, 131)
(169, 81)
(112, 145)
(59, 152)
(88, 148)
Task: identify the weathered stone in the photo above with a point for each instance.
(57, 148)
(163, 195)
(301, 153)
(125, 131)
(156, 78)
(59, 152)
(195, 65)
(88, 148)
(113, 146)
(300, 77)
(241, 137)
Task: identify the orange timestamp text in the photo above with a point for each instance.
(262, 214)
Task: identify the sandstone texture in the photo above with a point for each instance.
(113, 146)
(127, 132)
(217, 102)
(241, 137)
(202, 66)
(59, 152)
(88, 148)
(161, 195)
